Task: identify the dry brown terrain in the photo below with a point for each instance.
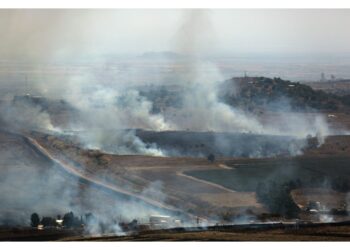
(173, 186)
(177, 188)
(329, 198)
(325, 232)
(338, 121)
(137, 173)
(43, 187)
(322, 233)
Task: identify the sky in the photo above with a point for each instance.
(47, 34)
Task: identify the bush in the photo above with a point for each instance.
(35, 220)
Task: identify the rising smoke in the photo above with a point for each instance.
(110, 113)
(201, 78)
(107, 106)
(40, 186)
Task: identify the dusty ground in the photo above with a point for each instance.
(337, 121)
(322, 233)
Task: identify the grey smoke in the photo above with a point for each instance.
(107, 106)
(22, 115)
(201, 78)
(41, 187)
(106, 112)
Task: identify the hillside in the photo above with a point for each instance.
(256, 94)
(276, 94)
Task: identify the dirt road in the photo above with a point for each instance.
(205, 182)
(80, 174)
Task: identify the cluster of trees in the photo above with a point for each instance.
(68, 220)
(162, 97)
(276, 94)
(277, 198)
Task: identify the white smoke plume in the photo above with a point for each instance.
(106, 112)
(203, 111)
(107, 106)
(40, 186)
(23, 115)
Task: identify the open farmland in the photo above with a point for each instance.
(161, 177)
(244, 175)
(225, 185)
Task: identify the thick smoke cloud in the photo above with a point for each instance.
(106, 112)
(107, 106)
(23, 115)
(201, 80)
(109, 112)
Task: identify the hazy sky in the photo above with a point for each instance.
(52, 33)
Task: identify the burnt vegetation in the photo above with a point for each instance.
(277, 198)
(255, 94)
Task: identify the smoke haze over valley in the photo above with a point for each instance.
(125, 115)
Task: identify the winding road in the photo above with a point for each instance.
(80, 174)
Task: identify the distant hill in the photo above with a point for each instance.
(255, 94)
(277, 94)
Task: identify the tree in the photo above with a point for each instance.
(35, 220)
(68, 219)
(211, 157)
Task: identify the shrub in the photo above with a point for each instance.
(35, 220)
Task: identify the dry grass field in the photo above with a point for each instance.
(198, 186)
(319, 233)
(193, 185)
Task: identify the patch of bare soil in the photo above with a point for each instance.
(327, 197)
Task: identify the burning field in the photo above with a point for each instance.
(194, 153)
(118, 181)
(60, 176)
